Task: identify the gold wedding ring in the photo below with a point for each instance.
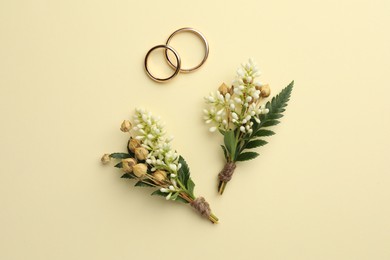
(177, 67)
(197, 33)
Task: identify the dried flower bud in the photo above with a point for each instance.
(140, 169)
(224, 89)
(265, 90)
(160, 175)
(141, 153)
(126, 126)
(106, 158)
(133, 144)
(128, 164)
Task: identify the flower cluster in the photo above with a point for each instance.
(152, 161)
(150, 131)
(236, 106)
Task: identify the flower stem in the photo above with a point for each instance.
(221, 187)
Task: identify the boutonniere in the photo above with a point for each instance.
(240, 113)
(152, 162)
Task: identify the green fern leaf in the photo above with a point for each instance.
(255, 143)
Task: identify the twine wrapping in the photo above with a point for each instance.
(202, 206)
(227, 172)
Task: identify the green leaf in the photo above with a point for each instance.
(229, 140)
(247, 156)
(264, 132)
(181, 200)
(225, 153)
(128, 176)
(120, 155)
(276, 107)
(175, 196)
(190, 187)
(270, 123)
(159, 193)
(184, 172)
(255, 143)
(275, 116)
(143, 184)
(119, 165)
(221, 131)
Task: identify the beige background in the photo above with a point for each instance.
(71, 71)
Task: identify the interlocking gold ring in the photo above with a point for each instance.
(177, 67)
(197, 33)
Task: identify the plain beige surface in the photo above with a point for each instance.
(71, 71)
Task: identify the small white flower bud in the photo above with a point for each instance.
(169, 196)
(234, 115)
(172, 188)
(164, 190)
(173, 167)
(242, 129)
(128, 164)
(257, 84)
(106, 158)
(140, 169)
(125, 126)
(141, 153)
